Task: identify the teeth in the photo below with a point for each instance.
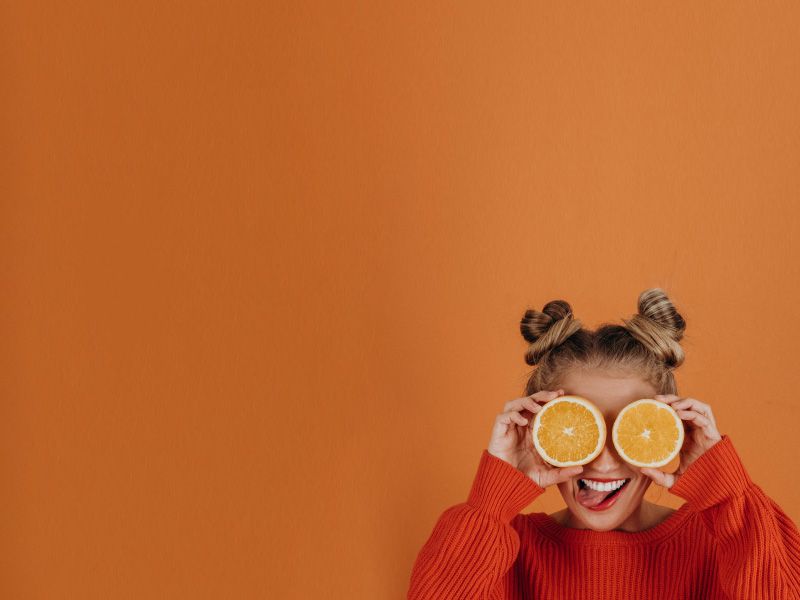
(603, 487)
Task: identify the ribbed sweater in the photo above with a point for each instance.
(729, 540)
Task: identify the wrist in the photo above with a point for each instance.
(505, 458)
(501, 489)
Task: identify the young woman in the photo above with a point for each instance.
(728, 541)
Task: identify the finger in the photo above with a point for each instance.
(666, 480)
(533, 407)
(545, 396)
(668, 398)
(518, 418)
(565, 473)
(694, 416)
(530, 401)
(707, 426)
(696, 405)
(501, 424)
(535, 403)
(527, 406)
(505, 420)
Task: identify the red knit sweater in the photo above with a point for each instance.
(728, 541)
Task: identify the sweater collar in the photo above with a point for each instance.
(547, 525)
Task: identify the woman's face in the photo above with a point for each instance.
(611, 393)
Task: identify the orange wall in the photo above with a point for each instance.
(263, 266)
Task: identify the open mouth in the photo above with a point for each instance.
(598, 500)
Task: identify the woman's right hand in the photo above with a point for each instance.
(512, 442)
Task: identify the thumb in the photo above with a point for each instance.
(666, 480)
(565, 473)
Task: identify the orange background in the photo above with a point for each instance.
(263, 266)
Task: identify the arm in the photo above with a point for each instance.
(473, 544)
(758, 545)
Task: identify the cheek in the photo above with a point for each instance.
(567, 489)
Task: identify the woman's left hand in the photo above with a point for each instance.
(701, 435)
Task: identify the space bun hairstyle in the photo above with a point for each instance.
(646, 345)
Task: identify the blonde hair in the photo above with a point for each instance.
(646, 345)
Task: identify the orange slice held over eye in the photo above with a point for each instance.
(568, 431)
(648, 433)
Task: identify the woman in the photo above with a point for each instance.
(729, 540)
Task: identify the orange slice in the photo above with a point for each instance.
(648, 433)
(568, 431)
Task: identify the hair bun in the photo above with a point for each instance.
(547, 329)
(659, 326)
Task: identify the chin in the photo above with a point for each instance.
(627, 501)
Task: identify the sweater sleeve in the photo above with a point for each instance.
(757, 543)
(473, 544)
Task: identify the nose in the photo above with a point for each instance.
(607, 462)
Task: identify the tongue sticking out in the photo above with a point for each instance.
(588, 497)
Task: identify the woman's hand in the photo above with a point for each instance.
(511, 440)
(701, 435)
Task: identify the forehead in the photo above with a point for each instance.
(609, 391)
